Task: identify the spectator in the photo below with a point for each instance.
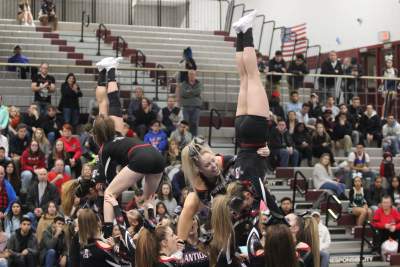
(54, 246)
(31, 160)
(50, 124)
(391, 135)
(359, 162)
(315, 107)
(170, 115)
(304, 117)
(12, 176)
(351, 67)
(31, 118)
(73, 147)
(330, 105)
(324, 239)
(298, 68)
(321, 143)
(181, 135)
(47, 14)
(7, 194)
(20, 59)
(24, 14)
(331, 66)
(47, 219)
(282, 146)
(23, 246)
(386, 169)
(40, 194)
(41, 139)
(58, 176)
(375, 194)
(286, 206)
(358, 202)
(293, 104)
(144, 116)
(275, 106)
(157, 137)
(387, 221)
(165, 195)
(261, 64)
(323, 178)
(4, 159)
(13, 218)
(161, 212)
(355, 134)
(370, 125)
(14, 120)
(355, 112)
(191, 102)
(43, 85)
(291, 122)
(4, 116)
(394, 192)
(342, 134)
(276, 65)
(302, 142)
(135, 102)
(59, 153)
(389, 86)
(174, 153)
(69, 103)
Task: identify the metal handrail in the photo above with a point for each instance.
(297, 188)
(329, 212)
(157, 79)
(83, 24)
(217, 126)
(262, 31)
(363, 240)
(124, 43)
(233, 11)
(139, 52)
(100, 36)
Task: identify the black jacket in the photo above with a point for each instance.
(50, 124)
(327, 68)
(144, 118)
(17, 243)
(370, 125)
(69, 98)
(300, 137)
(17, 146)
(299, 71)
(275, 66)
(48, 241)
(50, 194)
(374, 195)
(278, 140)
(276, 108)
(339, 131)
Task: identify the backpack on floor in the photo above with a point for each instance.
(388, 248)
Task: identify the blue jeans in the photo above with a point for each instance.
(192, 116)
(71, 116)
(50, 259)
(324, 258)
(52, 137)
(338, 188)
(42, 107)
(391, 144)
(284, 157)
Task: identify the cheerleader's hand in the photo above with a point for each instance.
(263, 151)
(111, 199)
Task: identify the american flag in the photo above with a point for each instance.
(294, 40)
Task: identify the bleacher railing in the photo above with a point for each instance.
(221, 87)
(330, 214)
(297, 188)
(194, 14)
(364, 240)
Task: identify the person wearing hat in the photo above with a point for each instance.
(386, 169)
(275, 106)
(324, 239)
(18, 58)
(22, 246)
(276, 65)
(298, 68)
(53, 246)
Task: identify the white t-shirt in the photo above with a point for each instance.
(352, 157)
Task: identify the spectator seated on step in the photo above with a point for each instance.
(391, 135)
(181, 135)
(20, 59)
(323, 177)
(14, 120)
(47, 14)
(282, 146)
(387, 221)
(170, 116)
(261, 64)
(370, 125)
(330, 105)
(358, 203)
(304, 116)
(157, 137)
(386, 170)
(359, 163)
(302, 142)
(144, 116)
(315, 106)
(375, 194)
(321, 142)
(351, 118)
(19, 142)
(275, 105)
(293, 104)
(4, 116)
(341, 134)
(394, 192)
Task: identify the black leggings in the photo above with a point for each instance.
(251, 129)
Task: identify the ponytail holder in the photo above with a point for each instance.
(149, 225)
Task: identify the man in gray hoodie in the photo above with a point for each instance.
(391, 135)
(190, 100)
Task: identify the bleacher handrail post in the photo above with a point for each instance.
(83, 24)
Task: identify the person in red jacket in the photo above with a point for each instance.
(58, 176)
(32, 158)
(387, 221)
(73, 147)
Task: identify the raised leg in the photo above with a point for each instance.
(241, 108)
